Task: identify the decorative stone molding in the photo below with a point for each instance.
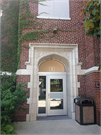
(92, 69)
(64, 53)
(23, 72)
(51, 45)
(53, 18)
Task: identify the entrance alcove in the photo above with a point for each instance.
(54, 67)
(62, 61)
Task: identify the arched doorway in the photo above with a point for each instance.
(52, 99)
(51, 66)
(67, 55)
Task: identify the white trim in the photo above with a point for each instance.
(55, 111)
(23, 72)
(50, 45)
(92, 69)
(44, 17)
(51, 73)
(49, 76)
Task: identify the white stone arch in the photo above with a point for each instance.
(68, 55)
(54, 56)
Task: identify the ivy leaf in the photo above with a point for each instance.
(88, 24)
(42, 4)
(42, 13)
(2, 132)
(8, 128)
(94, 11)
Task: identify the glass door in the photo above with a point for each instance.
(42, 95)
(56, 85)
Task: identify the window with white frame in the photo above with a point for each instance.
(54, 9)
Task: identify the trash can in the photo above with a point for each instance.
(84, 110)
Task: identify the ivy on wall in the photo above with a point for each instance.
(9, 35)
(17, 17)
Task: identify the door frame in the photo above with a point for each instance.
(46, 74)
(62, 111)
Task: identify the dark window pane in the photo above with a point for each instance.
(56, 85)
(56, 104)
(42, 95)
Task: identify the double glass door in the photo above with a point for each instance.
(52, 95)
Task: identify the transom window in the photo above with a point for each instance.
(54, 9)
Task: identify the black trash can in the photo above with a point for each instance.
(84, 110)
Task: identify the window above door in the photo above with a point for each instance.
(54, 9)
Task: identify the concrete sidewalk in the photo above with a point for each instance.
(56, 127)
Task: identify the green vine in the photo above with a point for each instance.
(66, 30)
(34, 35)
(26, 46)
(9, 39)
(17, 17)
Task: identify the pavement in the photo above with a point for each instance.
(55, 126)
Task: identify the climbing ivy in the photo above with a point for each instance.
(9, 35)
(17, 17)
(29, 21)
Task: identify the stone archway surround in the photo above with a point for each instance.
(65, 53)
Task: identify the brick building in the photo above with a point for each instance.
(61, 68)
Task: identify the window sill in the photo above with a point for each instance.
(43, 17)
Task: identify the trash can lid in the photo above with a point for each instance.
(83, 99)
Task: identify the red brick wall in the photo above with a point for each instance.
(87, 82)
(88, 49)
(89, 52)
(97, 50)
(92, 51)
(92, 59)
(93, 92)
(77, 37)
(82, 89)
(98, 97)
(21, 115)
(88, 89)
